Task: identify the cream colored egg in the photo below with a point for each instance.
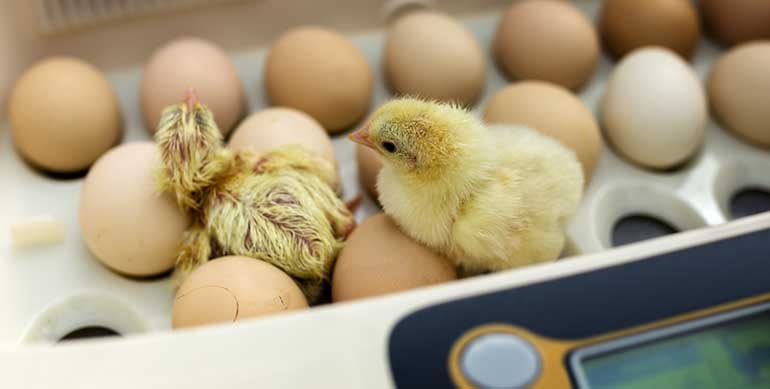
(547, 40)
(431, 55)
(273, 127)
(739, 91)
(654, 108)
(320, 72)
(379, 259)
(192, 63)
(231, 289)
(64, 115)
(125, 222)
(552, 110)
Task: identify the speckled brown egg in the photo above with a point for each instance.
(64, 114)
(192, 63)
(552, 110)
(379, 259)
(736, 21)
(739, 91)
(547, 40)
(321, 73)
(125, 222)
(626, 25)
(230, 289)
(431, 55)
(274, 127)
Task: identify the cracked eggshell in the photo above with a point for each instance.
(654, 109)
(231, 289)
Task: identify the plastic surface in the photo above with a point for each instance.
(48, 292)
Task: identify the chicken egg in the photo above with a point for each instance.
(231, 289)
(379, 259)
(424, 49)
(320, 72)
(273, 127)
(125, 222)
(736, 21)
(369, 165)
(547, 40)
(192, 63)
(654, 108)
(739, 89)
(64, 115)
(628, 25)
(553, 111)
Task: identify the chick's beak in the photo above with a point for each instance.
(361, 136)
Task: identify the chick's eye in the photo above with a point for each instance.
(389, 146)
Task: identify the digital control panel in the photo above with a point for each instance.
(696, 317)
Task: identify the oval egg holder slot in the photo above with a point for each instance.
(47, 292)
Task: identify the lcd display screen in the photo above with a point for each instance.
(733, 354)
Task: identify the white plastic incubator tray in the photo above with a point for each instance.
(47, 292)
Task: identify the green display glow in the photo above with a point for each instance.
(733, 355)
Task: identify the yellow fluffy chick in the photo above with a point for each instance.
(278, 207)
(487, 198)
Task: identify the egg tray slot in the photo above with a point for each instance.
(48, 292)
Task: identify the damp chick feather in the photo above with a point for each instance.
(278, 207)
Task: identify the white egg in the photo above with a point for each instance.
(654, 108)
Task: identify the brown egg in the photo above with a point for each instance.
(547, 40)
(192, 63)
(739, 91)
(379, 259)
(320, 72)
(273, 127)
(627, 25)
(125, 222)
(369, 165)
(231, 289)
(552, 110)
(736, 21)
(424, 49)
(64, 114)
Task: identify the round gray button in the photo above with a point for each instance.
(500, 360)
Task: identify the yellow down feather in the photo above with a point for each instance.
(488, 198)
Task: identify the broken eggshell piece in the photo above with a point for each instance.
(234, 288)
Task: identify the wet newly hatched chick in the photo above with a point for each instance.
(487, 198)
(278, 207)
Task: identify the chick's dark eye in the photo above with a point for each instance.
(389, 146)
